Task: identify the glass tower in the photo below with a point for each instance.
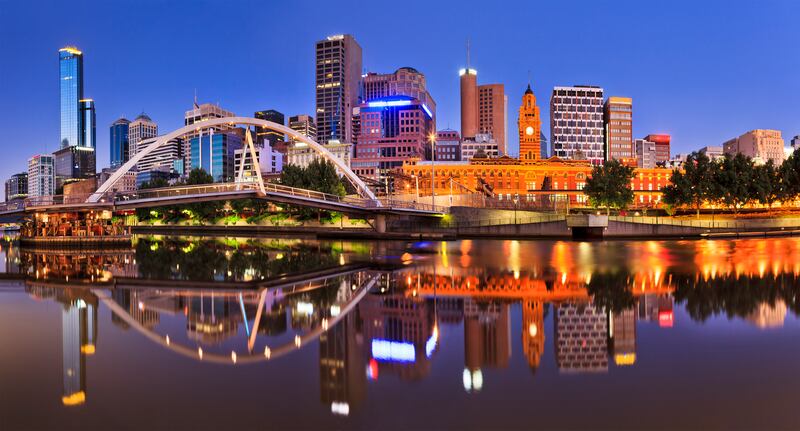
(118, 141)
(88, 128)
(214, 153)
(71, 92)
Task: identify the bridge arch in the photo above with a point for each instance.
(360, 186)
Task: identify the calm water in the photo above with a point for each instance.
(184, 333)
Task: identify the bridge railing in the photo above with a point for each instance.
(178, 191)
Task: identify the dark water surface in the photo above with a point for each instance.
(187, 333)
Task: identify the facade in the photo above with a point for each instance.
(760, 145)
(152, 175)
(480, 144)
(530, 127)
(213, 152)
(88, 124)
(580, 338)
(493, 114)
(405, 81)
(125, 184)
(662, 147)
(198, 114)
(70, 62)
(302, 155)
(305, 125)
(118, 142)
(576, 123)
(713, 152)
(645, 153)
(74, 163)
(338, 83)
(448, 145)
(270, 137)
(270, 160)
(41, 176)
(469, 102)
(141, 128)
(17, 187)
(168, 157)
(393, 130)
(618, 115)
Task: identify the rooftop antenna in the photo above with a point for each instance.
(467, 54)
(529, 77)
(195, 99)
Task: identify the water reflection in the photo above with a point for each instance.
(236, 302)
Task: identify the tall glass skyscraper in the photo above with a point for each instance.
(118, 141)
(88, 128)
(70, 61)
(214, 153)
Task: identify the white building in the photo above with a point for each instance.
(576, 123)
(645, 153)
(271, 162)
(483, 142)
(169, 155)
(301, 154)
(41, 175)
(138, 130)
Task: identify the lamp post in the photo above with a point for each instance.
(416, 181)
(432, 138)
(515, 209)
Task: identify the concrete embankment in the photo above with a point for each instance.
(291, 231)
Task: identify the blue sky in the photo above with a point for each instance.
(703, 71)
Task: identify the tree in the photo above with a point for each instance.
(733, 181)
(693, 185)
(154, 184)
(199, 176)
(789, 173)
(320, 175)
(767, 184)
(609, 185)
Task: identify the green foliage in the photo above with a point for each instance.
(693, 185)
(789, 173)
(733, 182)
(767, 185)
(320, 175)
(199, 176)
(154, 184)
(609, 185)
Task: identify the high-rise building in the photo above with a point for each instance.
(645, 153)
(576, 123)
(141, 128)
(448, 145)
(469, 102)
(198, 114)
(759, 144)
(662, 146)
(71, 93)
(302, 155)
(493, 113)
(74, 163)
(166, 158)
(530, 127)
(214, 153)
(270, 160)
(118, 142)
(405, 81)
(338, 82)
(393, 129)
(17, 187)
(88, 124)
(305, 125)
(481, 146)
(41, 175)
(618, 115)
(265, 136)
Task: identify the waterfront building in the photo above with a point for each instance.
(576, 123)
(530, 127)
(618, 116)
(338, 83)
(71, 93)
(265, 136)
(448, 145)
(17, 187)
(198, 114)
(760, 145)
(88, 124)
(41, 175)
(167, 157)
(580, 338)
(662, 146)
(270, 160)
(405, 81)
(118, 142)
(393, 129)
(713, 152)
(645, 152)
(74, 163)
(213, 152)
(302, 155)
(493, 114)
(141, 128)
(305, 125)
(484, 146)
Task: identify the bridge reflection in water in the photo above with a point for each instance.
(253, 301)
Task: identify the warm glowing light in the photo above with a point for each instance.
(200, 352)
(88, 349)
(297, 340)
(74, 399)
(267, 352)
(233, 356)
(533, 329)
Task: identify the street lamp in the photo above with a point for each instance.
(432, 138)
(516, 199)
(416, 181)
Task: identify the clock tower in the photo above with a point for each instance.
(530, 127)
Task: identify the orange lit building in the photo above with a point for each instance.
(530, 127)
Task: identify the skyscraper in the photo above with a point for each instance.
(198, 114)
(469, 102)
(618, 116)
(493, 113)
(271, 137)
(405, 81)
(759, 144)
(17, 187)
(88, 124)
(214, 153)
(338, 81)
(303, 124)
(141, 128)
(41, 175)
(71, 93)
(118, 142)
(530, 127)
(576, 123)
(662, 142)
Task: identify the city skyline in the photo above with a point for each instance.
(684, 99)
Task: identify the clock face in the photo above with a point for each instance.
(529, 131)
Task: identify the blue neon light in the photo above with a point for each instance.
(385, 350)
(430, 345)
(427, 111)
(387, 103)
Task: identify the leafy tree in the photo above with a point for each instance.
(767, 183)
(733, 181)
(320, 175)
(199, 176)
(789, 173)
(693, 185)
(609, 185)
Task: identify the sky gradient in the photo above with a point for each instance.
(702, 71)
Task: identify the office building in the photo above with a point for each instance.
(305, 125)
(662, 147)
(126, 183)
(17, 187)
(529, 124)
(448, 145)
(481, 145)
(266, 136)
(760, 145)
(71, 93)
(576, 123)
(270, 160)
(213, 152)
(168, 157)
(393, 129)
(618, 114)
(118, 142)
(493, 114)
(645, 153)
(338, 83)
(74, 163)
(198, 114)
(141, 128)
(152, 175)
(405, 81)
(88, 124)
(713, 152)
(469, 101)
(302, 155)
(41, 176)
